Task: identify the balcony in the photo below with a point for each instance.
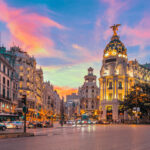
(3, 97)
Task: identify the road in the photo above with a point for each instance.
(94, 137)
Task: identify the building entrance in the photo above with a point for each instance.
(109, 113)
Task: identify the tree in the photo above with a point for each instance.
(139, 96)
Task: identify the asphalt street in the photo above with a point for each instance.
(94, 137)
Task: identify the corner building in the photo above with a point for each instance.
(117, 76)
(88, 94)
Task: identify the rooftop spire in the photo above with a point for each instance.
(115, 28)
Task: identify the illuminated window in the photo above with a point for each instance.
(120, 85)
(110, 97)
(114, 52)
(120, 97)
(109, 108)
(20, 85)
(110, 85)
(21, 68)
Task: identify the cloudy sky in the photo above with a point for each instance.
(68, 36)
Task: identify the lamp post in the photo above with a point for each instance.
(24, 101)
(137, 94)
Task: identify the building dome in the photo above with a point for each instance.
(115, 47)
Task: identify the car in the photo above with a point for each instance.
(32, 125)
(39, 125)
(2, 127)
(10, 125)
(18, 124)
(94, 122)
(46, 124)
(79, 122)
(89, 122)
(84, 122)
(70, 122)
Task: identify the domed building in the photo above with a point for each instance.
(117, 76)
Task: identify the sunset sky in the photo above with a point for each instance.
(68, 36)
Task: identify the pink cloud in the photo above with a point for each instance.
(115, 7)
(138, 35)
(27, 30)
(85, 54)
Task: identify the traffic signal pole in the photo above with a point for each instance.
(24, 122)
(24, 101)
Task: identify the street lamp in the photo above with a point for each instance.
(137, 94)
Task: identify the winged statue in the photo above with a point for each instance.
(115, 28)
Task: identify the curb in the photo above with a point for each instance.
(15, 135)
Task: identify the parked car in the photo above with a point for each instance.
(2, 127)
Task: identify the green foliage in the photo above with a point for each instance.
(138, 97)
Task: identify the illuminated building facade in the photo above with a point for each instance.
(30, 83)
(51, 99)
(117, 76)
(73, 104)
(8, 87)
(88, 94)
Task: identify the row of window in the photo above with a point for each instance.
(87, 106)
(4, 68)
(110, 96)
(111, 85)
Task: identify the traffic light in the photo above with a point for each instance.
(24, 99)
(25, 109)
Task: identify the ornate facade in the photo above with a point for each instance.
(88, 94)
(8, 87)
(117, 76)
(31, 84)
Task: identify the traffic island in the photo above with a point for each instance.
(15, 135)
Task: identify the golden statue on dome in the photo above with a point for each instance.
(115, 28)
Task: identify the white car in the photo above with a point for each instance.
(10, 125)
(18, 124)
(70, 122)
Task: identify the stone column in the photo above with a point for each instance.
(114, 88)
(104, 112)
(105, 87)
(115, 112)
(117, 88)
(126, 85)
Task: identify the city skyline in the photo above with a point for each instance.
(65, 49)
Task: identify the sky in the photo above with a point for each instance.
(68, 36)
